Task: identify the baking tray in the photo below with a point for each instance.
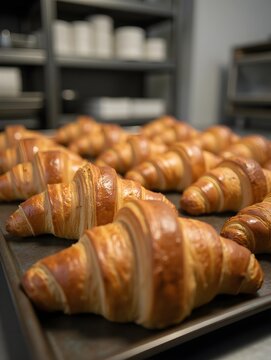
(87, 336)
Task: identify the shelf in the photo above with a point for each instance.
(74, 61)
(22, 56)
(121, 10)
(66, 118)
(254, 58)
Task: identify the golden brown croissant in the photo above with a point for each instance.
(158, 126)
(29, 178)
(180, 131)
(67, 209)
(13, 133)
(124, 156)
(252, 147)
(23, 151)
(93, 144)
(178, 168)
(149, 267)
(251, 227)
(234, 184)
(215, 139)
(267, 164)
(71, 131)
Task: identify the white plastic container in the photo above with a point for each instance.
(106, 108)
(83, 38)
(155, 49)
(103, 38)
(63, 37)
(101, 23)
(147, 108)
(11, 81)
(103, 45)
(130, 43)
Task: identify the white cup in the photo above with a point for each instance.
(129, 43)
(155, 49)
(11, 81)
(101, 23)
(63, 37)
(83, 38)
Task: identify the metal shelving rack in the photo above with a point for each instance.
(249, 83)
(133, 13)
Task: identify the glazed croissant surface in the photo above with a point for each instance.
(176, 169)
(232, 185)
(135, 150)
(13, 133)
(71, 131)
(67, 209)
(23, 151)
(148, 267)
(158, 126)
(180, 131)
(251, 227)
(254, 147)
(29, 178)
(94, 143)
(216, 138)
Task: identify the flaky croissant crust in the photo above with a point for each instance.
(67, 209)
(234, 184)
(149, 267)
(251, 227)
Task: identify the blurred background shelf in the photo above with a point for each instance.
(134, 12)
(46, 71)
(81, 62)
(22, 56)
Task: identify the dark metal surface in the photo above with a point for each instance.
(88, 336)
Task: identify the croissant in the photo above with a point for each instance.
(255, 147)
(180, 131)
(13, 133)
(215, 139)
(158, 126)
(267, 164)
(93, 144)
(149, 267)
(234, 184)
(71, 131)
(178, 168)
(29, 178)
(23, 151)
(251, 227)
(124, 156)
(67, 209)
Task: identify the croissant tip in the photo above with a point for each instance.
(17, 225)
(192, 204)
(135, 176)
(35, 287)
(236, 234)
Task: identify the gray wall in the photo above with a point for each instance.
(218, 26)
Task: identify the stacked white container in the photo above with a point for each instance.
(11, 81)
(129, 43)
(155, 49)
(63, 37)
(83, 38)
(102, 26)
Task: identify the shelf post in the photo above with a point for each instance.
(48, 14)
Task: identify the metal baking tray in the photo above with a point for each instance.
(87, 336)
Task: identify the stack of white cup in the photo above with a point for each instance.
(155, 49)
(83, 38)
(63, 37)
(11, 81)
(102, 26)
(129, 43)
